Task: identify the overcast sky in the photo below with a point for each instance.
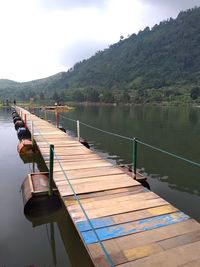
(42, 37)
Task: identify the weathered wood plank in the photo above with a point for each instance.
(109, 232)
(86, 185)
(118, 200)
(171, 258)
(139, 240)
(77, 158)
(126, 217)
(101, 179)
(81, 165)
(194, 263)
(137, 227)
(107, 194)
(89, 172)
(77, 214)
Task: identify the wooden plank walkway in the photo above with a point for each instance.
(136, 226)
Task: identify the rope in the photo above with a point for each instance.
(82, 208)
(169, 153)
(117, 135)
(67, 118)
(139, 141)
(123, 137)
(107, 132)
(98, 129)
(85, 214)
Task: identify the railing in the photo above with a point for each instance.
(52, 157)
(135, 141)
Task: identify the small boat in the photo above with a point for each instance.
(57, 108)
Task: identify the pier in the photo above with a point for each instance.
(120, 222)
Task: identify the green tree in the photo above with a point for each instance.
(125, 98)
(92, 95)
(55, 96)
(195, 93)
(107, 97)
(42, 96)
(62, 96)
(78, 96)
(22, 95)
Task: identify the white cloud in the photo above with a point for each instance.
(176, 5)
(69, 4)
(42, 37)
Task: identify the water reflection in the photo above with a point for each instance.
(55, 214)
(35, 162)
(24, 245)
(72, 243)
(193, 117)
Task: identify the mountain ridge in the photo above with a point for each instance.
(157, 60)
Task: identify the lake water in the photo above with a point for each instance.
(175, 129)
(52, 241)
(34, 242)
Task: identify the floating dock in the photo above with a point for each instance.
(120, 222)
(56, 108)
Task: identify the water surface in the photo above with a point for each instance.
(40, 242)
(175, 129)
(52, 240)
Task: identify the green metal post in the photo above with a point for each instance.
(51, 169)
(134, 157)
(25, 123)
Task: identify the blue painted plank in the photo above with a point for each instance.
(96, 223)
(135, 227)
(108, 220)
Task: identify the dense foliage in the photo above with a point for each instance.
(158, 64)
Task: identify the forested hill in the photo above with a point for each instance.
(168, 53)
(35, 88)
(164, 60)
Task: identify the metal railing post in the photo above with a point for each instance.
(25, 120)
(33, 167)
(78, 130)
(51, 152)
(57, 119)
(134, 166)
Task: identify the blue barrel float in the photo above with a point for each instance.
(23, 133)
(19, 124)
(85, 143)
(14, 114)
(62, 129)
(16, 119)
(13, 110)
